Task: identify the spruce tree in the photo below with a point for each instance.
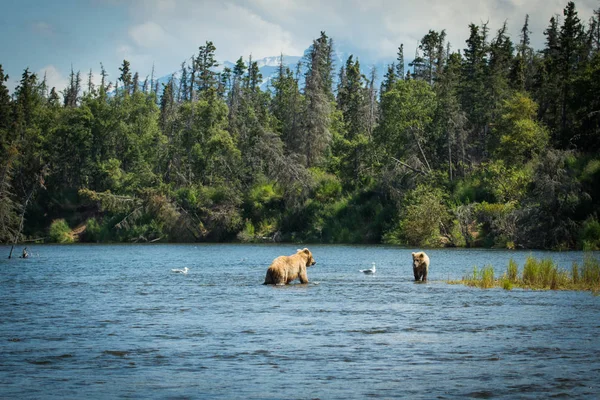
(500, 62)
(400, 63)
(474, 91)
(125, 77)
(135, 83)
(285, 107)
(522, 72)
(204, 64)
(571, 41)
(5, 102)
(429, 65)
(389, 79)
(182, 93)
(71, 93)
(90, 84)
(53, 99)
(318, 93)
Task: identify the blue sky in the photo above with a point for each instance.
(50, 36)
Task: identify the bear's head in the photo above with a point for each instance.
(310, 261)
(417, 259)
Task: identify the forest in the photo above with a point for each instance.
(493, 145)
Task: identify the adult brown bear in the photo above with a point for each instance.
(420, 266)
(285, 269)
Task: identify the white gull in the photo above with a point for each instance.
(369, 271)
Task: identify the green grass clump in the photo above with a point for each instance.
(506, 283)
(483, 278)
(512, 271)
(540, 275)
(590, 273)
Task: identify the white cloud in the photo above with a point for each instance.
(53, 78)
(43, 28)
(172, 34)
(149, 34)
(167, 32)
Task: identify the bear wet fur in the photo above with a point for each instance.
(285, 269)
(420, 266)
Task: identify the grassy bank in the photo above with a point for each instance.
(538, 275)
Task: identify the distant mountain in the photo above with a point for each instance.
(269, 67)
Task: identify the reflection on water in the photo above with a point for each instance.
(114, 321)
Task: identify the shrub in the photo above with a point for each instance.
(423, 214)
(60, 232)
(247, 234)
(328, 188)
(498, 224)
(95, 231)
(590, 234)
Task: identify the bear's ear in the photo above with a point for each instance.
(306, 250)
(413, 254)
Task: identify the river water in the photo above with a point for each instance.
(113, 321)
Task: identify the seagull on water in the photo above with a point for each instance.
(180, 271)
(369, 271)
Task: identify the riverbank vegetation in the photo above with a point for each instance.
(538, 274)
(495, 144)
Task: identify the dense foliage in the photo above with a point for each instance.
(494, 145)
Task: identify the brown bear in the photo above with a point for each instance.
(420, 266)
(285, 269)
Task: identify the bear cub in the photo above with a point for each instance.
(420, 266)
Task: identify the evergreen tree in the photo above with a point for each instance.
(91, 88)
(204, 65)
(430, 64)
(400, 63)
(167, 122)
(5, 104)
(71, 93)
(26, 103)
(522, 73)
(474, 91)
(318, 94)
(285, 107)
(500, 62)
(373, 105)
(571, 42)
(450, 119)
(225, 82)
(53, 99)
(182, 93)
(104, 85)
(135, 83)
(125, 76)
(235, 95)
(389, 79)
(548, 85)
